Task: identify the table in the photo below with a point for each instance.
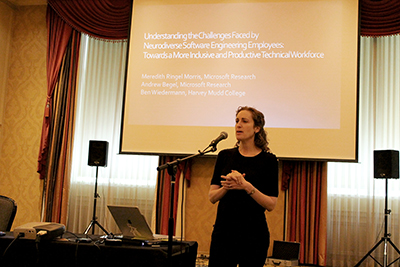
(66, 251)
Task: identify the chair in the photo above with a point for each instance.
(8, 209)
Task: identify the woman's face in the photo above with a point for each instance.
(244, 127)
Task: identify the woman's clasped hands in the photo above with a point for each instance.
(233, 181)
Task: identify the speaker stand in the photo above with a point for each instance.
(94, 221)
(385, 239)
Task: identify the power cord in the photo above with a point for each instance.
(12, 242)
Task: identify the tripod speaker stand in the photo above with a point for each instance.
(386, 164)
(97, 157)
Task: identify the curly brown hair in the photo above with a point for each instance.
(260, 138)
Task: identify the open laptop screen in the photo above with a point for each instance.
(131, 222)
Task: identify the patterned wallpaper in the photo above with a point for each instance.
(24, 100)
(6, 21)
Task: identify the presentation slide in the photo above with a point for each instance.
(191, 64)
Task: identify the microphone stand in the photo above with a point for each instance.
(172, 168)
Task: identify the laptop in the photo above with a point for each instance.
(133, 224)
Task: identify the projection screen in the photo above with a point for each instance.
(191, 64)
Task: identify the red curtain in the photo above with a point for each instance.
(380, 17)
(107, 19)
(66, 19)
(58, 35)
(164, 193)
(307, 208)
(56, 186)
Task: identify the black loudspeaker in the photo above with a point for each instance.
(98, 153)
(386, 164)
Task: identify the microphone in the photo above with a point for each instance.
(222, 136)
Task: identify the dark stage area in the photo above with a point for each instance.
(66, 251)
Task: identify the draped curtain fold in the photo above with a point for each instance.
(306, 183)
(104, 19)
(59, 135)
(58, 35)
(59, 152)
(380, 18)
(64, 25)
